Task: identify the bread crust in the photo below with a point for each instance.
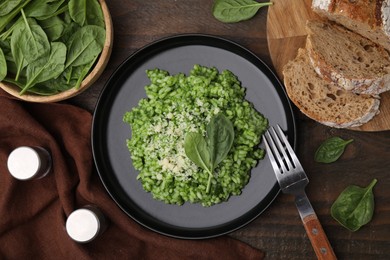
(324, 101)
(372, 79)
(369, 12)
(368, 18)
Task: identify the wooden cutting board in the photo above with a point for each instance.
(286, 34)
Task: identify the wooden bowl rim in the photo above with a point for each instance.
(86, 83)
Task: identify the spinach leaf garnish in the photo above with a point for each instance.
(331, 150)
(354, 207)
(207, 152)
(232, 11)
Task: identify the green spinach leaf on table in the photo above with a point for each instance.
(232, 11)
(331, 150)
(354, 207)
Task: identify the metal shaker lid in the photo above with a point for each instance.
(25, 163)
(85, 224)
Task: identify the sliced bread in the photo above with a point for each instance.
(322, 100)
(370, 18)
(348, 59)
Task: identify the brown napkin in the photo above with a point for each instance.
(33, 213)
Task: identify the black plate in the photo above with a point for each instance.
(124, 90)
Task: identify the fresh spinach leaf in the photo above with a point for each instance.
(69, 30)
(9, 31)
(5, 45)
(32, 11)
(12, 81)
(3, 65)
(83, 72)
(45, 69)
(17, 40)
(220, 136)
(7, 6)
(232, 11)
(54, 27)
(94, 16)
(60, 11)
(330, 150)
(6, 19)
(196, 149)
(28, 44)
(208, 152)
(34, 42)
(6, 48)
(52, 86)
(85, 45)
(354, 207)
(78, 11)
(42, 8)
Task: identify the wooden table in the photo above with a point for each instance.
(278, 231)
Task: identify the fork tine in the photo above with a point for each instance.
(291, 152)
(270, 154)
(277, 163)
(277, 137)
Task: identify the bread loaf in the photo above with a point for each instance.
(370, 18)
(348, 59)
(322, 100)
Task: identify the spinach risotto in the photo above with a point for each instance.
(179, 106)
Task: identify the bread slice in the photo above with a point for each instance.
(348, 59)
(322, 100)
(368, 18)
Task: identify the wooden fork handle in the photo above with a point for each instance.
(318, 238)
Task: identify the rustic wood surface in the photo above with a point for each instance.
(286, 34)
(278, 231)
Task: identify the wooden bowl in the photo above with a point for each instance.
(87, 82)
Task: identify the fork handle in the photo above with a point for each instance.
(318, 238)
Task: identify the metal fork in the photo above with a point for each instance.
(293, 180)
